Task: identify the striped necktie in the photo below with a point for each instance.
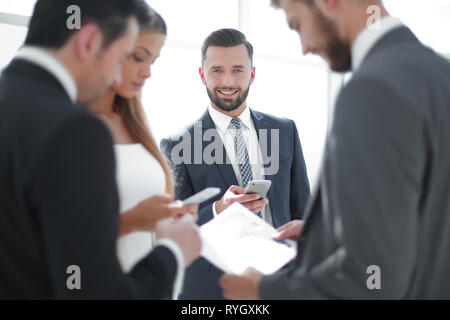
(241, 153)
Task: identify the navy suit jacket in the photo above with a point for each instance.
(287, 196)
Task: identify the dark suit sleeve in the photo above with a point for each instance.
(370, 197)
(183, 182)
(300, 191)
(72, 191)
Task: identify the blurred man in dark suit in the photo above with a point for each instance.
(251, 145)
(59, 214)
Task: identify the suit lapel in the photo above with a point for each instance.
(225, 168)
(318, 188)
(261, 124)
(315, 196)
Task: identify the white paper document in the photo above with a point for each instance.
(237, 239)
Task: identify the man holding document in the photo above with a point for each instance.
(378, 225)
(230, 147)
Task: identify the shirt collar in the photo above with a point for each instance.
(46, 61)
(368, 37)
(222, 120)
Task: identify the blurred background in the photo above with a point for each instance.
(287, 83)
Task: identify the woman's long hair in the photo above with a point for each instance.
(131, 110)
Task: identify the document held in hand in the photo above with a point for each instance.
(237, 239)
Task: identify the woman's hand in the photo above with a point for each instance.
(147, 213)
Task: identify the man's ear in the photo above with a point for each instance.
(88, 41)
(332, 4)
(202, 75)
(327, 6)
(252, 75)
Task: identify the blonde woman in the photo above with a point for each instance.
(144, 180)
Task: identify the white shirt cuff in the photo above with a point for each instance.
(214, 209)
(173, 246)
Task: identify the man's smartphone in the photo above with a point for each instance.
(258, 186)
(202, 196)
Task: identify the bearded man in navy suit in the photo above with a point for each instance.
(231, 145)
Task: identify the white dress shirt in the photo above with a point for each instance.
(368, 37)
(49, 63)
(222, 122)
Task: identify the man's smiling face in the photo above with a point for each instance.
(227, 73)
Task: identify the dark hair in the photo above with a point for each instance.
(48, 24)
(226, 38)
(276, 3)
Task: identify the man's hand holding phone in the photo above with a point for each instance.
(252, 201)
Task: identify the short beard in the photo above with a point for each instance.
(220, 103)
(337, 50)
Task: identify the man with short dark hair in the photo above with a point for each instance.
(248, 145)
(378, 225)
(59, 215)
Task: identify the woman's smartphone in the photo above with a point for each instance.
(202, 196)
(258, 186)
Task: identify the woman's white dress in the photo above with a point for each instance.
(139, 176)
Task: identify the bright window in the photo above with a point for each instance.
(12, 38)
(192, 21)
(21, 7)
(429, 20)
(287, 84)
